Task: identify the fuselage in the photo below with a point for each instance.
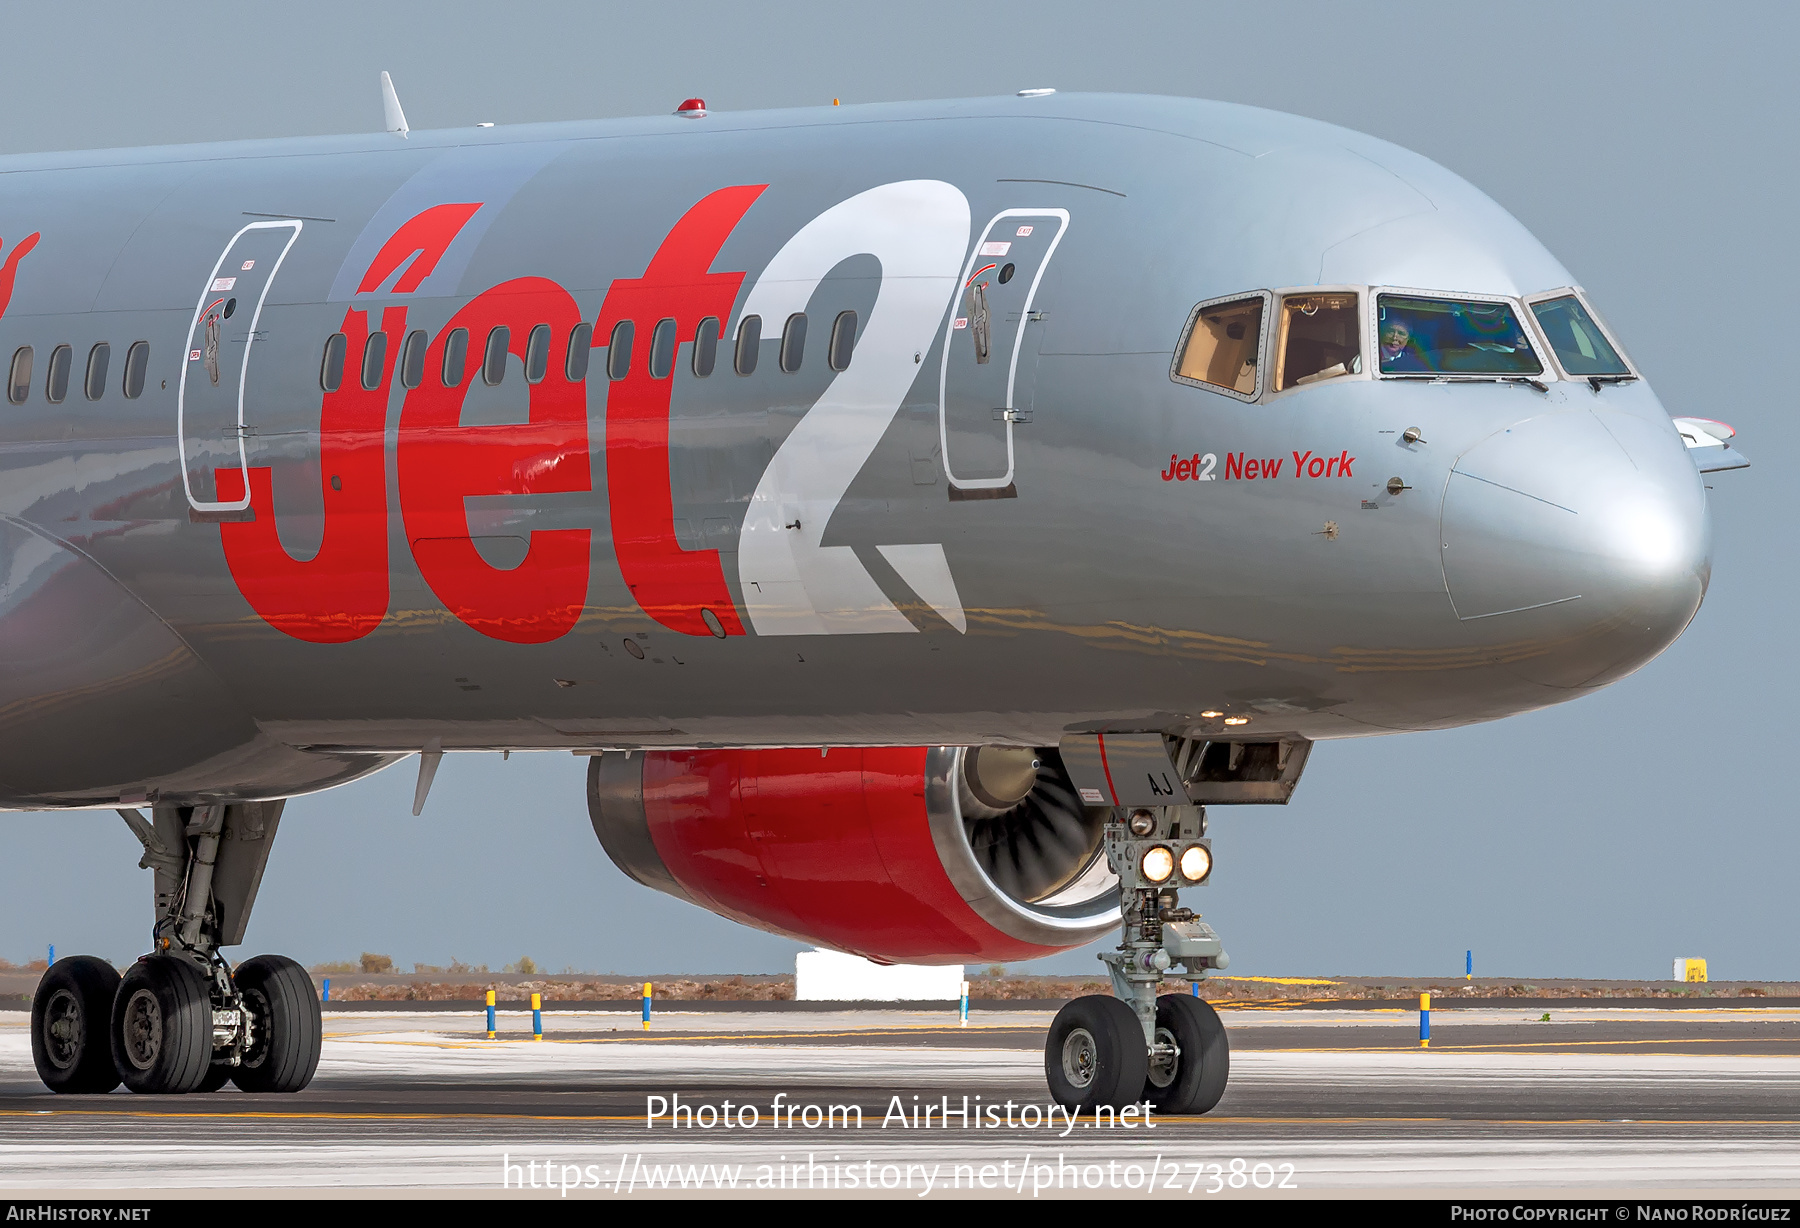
(954, 489)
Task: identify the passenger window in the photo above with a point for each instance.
(18, 386)
(493, 363)
(581, 343)
(793, 342)
(1224, 345)
(56, 381)
(95, 382)
(374, 358)
(137, 365)
(537, 354)
(1440, 336)
(1319, 339)
(456, 358)
(412, 359)
(618, 350)
(1580, 346)
(662, 349)
(331, 365)
(843, 341)
(706, 347)
(749, 342)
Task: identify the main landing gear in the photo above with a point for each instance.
(181, 1019)
(1137, 1046)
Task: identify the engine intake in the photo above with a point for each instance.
(939, 854)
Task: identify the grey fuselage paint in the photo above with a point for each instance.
(1104, 562)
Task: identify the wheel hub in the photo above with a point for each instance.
(143, 1029)
(1079, 1057)
(256, 1028)
(62, 1029)
(1165, 1059)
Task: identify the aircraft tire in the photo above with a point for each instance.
(1095, 1054)
(71, 1025)
(286, 1030)
(162, 1026)
(1205, 1062)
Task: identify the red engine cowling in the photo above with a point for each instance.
(900, 854)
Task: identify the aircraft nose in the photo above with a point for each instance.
(1581, 537)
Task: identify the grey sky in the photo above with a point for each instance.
(1650, 146)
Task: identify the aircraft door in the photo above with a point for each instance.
(209, 405)
(990, 350)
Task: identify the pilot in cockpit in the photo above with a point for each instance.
(1395, 354)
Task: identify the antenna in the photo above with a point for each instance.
(393, 116)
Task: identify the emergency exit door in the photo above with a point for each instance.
(990, 350)
(209, 405)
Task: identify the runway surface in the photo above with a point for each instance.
(1600, 1101)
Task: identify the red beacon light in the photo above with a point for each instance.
(693, 108)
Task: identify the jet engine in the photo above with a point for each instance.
(941, 854)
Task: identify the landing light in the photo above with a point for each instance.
(1196, 862)
(1212, 716)
(1141, 823)
(1237, 720)
(1158, 864)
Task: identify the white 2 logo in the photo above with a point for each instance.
(918, 229)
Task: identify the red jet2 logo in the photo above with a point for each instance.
(341, 593)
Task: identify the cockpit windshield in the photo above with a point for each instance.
(1580, 346)
(1436, 336)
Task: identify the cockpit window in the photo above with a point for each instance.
(1318, 339)
(1436, 336)
(1223, 345)
(1580, 346)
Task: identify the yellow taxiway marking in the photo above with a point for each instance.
(380, 1038)
(321, 1116)
(1544, 1046)
(1540, 1045)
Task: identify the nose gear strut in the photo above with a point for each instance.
(1176, 1057)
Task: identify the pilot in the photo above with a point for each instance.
(1396, 351)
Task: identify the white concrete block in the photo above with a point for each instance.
(832, 976)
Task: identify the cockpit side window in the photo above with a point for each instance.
(1442, 336)
(1580, 346)
(1318, 340)
(1223, 347)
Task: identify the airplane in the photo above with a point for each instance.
(919, 514)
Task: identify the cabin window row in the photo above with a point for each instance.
(58, 370)
(453, 363)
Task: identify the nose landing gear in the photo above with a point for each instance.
(1136, 1047)
(180, 1019)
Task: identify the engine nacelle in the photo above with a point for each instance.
(920, 855)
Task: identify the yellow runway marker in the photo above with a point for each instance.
(303, 1116)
